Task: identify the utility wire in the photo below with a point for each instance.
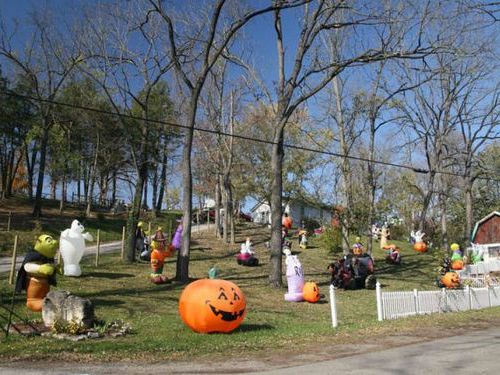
(239, 136)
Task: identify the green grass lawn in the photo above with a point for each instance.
(123, 291)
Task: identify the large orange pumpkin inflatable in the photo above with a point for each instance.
(421, 247)
(311, 292)
(450, 280)
(212, 305)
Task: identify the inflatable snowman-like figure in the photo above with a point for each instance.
(72, 247)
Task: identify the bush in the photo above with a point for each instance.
(331, 239)
(399, 233)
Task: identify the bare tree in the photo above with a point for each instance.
(47, 61)
(194, 52)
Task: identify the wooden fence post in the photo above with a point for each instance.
(8, 221)
(123, 243)
(98, 248)
(13, 265)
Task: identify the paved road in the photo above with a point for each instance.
(109, 247)
(472, 353)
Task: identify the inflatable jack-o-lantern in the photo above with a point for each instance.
(457, 264)
(311, 292)
(450, 280)
(212, 305)
(420, 247)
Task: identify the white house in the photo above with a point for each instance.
(298, 209)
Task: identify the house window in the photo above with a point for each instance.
(494, 251)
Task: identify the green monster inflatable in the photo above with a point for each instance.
(38, 272)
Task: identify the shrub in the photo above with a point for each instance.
(331, 239)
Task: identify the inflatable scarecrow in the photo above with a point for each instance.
(457, 261)
(159, 251)
(303, 239)
(38, 272)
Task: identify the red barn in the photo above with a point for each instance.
(487, 233)
(487, 230)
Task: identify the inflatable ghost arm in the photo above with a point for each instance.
(65, 233)
(419, 236)
(87, 236)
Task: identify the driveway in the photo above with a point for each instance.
(471, 353)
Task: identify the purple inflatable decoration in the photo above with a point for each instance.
(176, 241)
(295, 278)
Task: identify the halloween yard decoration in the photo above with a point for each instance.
(393, 254)
(353, 272)
(295, 278)
(287, 221)
(419, 246)
(159, 252)
(384, 236)
(303, 239)
(38, 272)
(72, 247)
(246, 256)
(311, 292)
(450, 280)
(212, 305)
(177, 239)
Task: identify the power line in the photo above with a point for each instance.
(239, 136)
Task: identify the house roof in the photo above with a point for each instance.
(286, 200)
(484, 219)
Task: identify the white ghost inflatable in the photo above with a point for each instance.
(72, 247)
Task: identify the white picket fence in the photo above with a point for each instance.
(394, 305)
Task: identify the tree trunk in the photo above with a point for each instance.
(469, 214)
(92, 177)
(37, 208)
(163, 180)
(444, 227)
(63, 194)
(182, 270)
(372, 186)
(113, 188)
(30, 167)
(154, 192)
(217, 207)
(275, 273)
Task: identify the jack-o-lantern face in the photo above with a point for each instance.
(311, 292)
(421, 247)
(212, 305)
(450, 280)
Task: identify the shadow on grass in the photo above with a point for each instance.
(107, 275)
(107, 302)
(254, 327)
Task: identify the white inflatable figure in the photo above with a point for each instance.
(246, 248)
(418, 236)
(295, 277)
(72, 247)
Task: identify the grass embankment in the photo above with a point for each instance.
(52, 222)
(272, 326)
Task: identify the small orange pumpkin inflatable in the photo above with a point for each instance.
(421, 247)
(311, 292)
(457, 265)
(212, 305)
(450, 280)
